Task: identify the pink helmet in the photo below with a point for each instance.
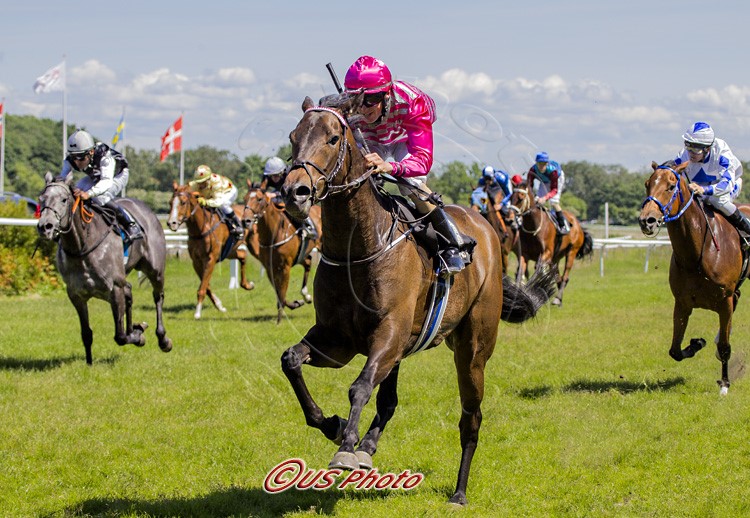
(370, 74)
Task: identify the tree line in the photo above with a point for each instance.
(33, 147)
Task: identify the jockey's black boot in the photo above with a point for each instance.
(235, 225)
(741, 223)
(308, 227)
(451, 258)
(562, 223)
(126, 222)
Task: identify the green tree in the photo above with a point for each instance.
(454, 181)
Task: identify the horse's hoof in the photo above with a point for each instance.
(723, 387)
(308, 299)
(142, 326)
(166, 345)
(364, 458)
(223, 309)
(197, 316)
(249, 286)
(556, 301)
(344, 460)
(458, 499)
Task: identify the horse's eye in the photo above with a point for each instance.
(333, 139)
(671, 188)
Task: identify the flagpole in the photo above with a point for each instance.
(182, 150)
(2, 148)
(122, 139)
(65, 110)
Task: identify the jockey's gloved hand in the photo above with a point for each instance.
(202, 202)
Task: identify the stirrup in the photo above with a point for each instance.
(450, 262)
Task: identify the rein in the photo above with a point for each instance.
(667, 208)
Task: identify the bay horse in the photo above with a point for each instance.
(90, 258)
(279, 245)
(207, 238)
(507, 229)
(372, 290)
(540, 241)
(706, 269)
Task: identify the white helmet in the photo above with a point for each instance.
(79, 142)
(699, 133)
(488, 171)
(274, 165)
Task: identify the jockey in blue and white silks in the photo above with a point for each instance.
(492, 179)
(713, 172)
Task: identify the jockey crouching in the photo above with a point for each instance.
(218, 192)
(396, 123)
(714, 173)
(106, 175)
(491, 180)
(551, 180)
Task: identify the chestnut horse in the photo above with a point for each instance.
(706, 267)
(540, 241)
(207, 236)
(279, 245)
(373, 286)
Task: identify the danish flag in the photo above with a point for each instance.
(172, 140)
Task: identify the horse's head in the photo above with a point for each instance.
(56, 202)
(256, 203)
(521, 200)
(181, 207)
(666, 195)
(321, 153)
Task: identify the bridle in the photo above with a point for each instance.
(327, 187)
(58, 216)
(259, 215)
(525, 208)
(180, 195)
(667, 208)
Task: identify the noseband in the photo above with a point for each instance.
(666, 209)
(327, 178)
(59, 217)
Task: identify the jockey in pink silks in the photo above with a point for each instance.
(396, 122)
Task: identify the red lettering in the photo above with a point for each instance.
(283, 476)
(353, 477)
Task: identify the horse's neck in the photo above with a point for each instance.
(354, 224)
(273, 222)
(200, 221)
(80, 232)
(533, 219)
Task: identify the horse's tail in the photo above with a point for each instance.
(520, 302)
(587, 247)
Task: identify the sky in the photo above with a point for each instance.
(605, 82)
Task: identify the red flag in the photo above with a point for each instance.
(2, 120)
(172, 139)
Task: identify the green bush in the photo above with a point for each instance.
(20, 272)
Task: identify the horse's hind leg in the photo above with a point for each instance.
(247, 285)
(305, 294)
(680, 317)
(291, 363)
(121, 304)
(87, 336)
(387, 400)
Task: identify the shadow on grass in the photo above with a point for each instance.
(27, 364)
(233, 501)
(600, 386)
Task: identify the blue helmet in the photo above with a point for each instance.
(488, 171)
(542, 157)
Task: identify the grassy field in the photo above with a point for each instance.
(584, 413)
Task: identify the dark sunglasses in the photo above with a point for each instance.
(79, 156)
(371, 100)
(695, 148)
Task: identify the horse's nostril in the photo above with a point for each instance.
(301, 191)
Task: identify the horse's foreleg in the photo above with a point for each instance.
(680, 317)
(376, 370)
(121, 304)
(563, 280)
(247, 285)
(387, 400)
(723, 348)
(165, 344)
(305, 294)
(291, 363)
(87, 336)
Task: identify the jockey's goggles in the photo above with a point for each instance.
(79, 156)
(696, 148)
(371, 100)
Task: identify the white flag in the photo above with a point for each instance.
(53, 80)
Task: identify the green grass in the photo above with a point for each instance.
(585, 414)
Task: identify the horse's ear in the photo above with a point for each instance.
(654, 165)
(48, 177)
(175, 185)
(249, 183)
(307, 104)
(69, 180)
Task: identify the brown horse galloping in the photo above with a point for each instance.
(279, 245)
(507, 230)
(207, 236)
(373, 286)
(540, 241)
(706, 267)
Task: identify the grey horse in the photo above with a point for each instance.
(90, 258)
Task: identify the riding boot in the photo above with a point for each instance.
(235, 225)
(450, 255)
(562, 223)
(308, 227)
(741, 223)
(126, 222)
